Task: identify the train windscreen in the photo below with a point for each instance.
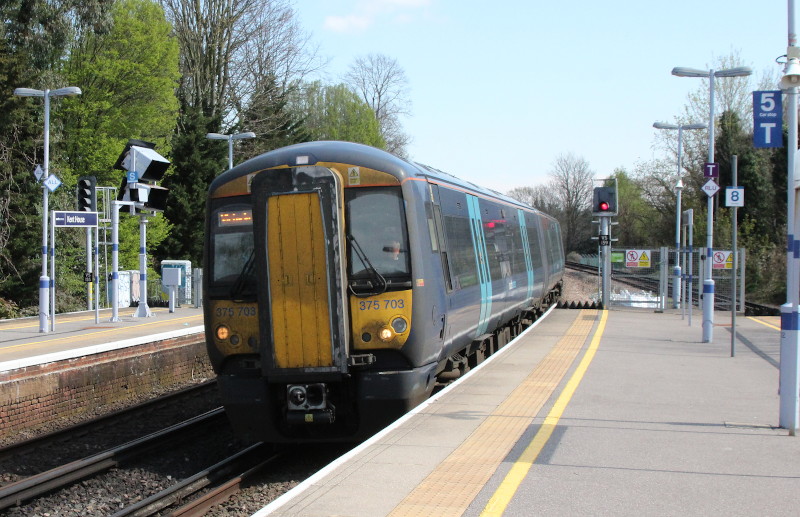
(232, 257)
(377, 235)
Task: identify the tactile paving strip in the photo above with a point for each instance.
(452, 486)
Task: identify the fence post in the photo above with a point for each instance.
(197, 282)
(663, 278)
(742, 257)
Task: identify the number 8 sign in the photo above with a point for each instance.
(734, 196)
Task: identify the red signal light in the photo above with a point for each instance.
(603, 206)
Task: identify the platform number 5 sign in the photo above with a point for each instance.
(767, 119)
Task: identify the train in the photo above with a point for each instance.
(343, 283)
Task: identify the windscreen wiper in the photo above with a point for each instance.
(245, 277)
(379, 286)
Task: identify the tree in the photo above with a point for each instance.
(34, 39)
(539, 197)
(128, 77)
(240, 60)
(231, 50)
(337, 113)
(572, 185)
(382, 84)
(640, 222)
(199, 158)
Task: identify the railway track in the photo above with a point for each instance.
(65, 475)
(108, 421)
(208, 487)
(722, 302)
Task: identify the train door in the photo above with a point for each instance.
(297, 224)
(298, 281)
(484, 278)
(526, 248)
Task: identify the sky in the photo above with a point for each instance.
(500, 88)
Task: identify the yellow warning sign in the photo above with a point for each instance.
(353, 176)
(644, 258)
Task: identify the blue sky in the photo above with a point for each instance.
(499, 89)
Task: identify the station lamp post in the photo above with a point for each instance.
(708, 282)
(790, 311)
(45, 281)
(676, 283)
(230, 139)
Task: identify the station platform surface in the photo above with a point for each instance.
(618, 412)
(77, 334)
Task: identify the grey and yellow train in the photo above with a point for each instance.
(341, 282)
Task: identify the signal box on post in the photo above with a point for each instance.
(87, 194)
(604, 201)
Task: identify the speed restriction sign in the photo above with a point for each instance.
(734, 196)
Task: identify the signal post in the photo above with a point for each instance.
(604, 205)
(143, 166)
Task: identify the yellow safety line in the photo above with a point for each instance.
(770, 325)
(67, 319)
(456, 481)
(83, 336)
(502, 497)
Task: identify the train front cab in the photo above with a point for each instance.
(290, 366)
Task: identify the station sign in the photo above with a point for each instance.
(75, 219)
(767, 119)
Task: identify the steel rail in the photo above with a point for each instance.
(39, 484)
(194, 484)
(20, 447)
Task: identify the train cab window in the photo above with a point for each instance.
(232, 258)
(378, 257)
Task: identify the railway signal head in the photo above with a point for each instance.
(87, 194)
(604, 201)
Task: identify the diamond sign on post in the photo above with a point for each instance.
(711, 188)
(52, 183)
(38, 173)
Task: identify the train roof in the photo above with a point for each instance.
(310, 153)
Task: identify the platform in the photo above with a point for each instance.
(620, 412)
(77, 334)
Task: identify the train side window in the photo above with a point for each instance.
(461, 251)
(435, 226)
(532, 225)
(516, 254)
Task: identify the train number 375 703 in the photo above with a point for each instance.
(376, 305)
(230, 312)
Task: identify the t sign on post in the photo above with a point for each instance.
(767, 119)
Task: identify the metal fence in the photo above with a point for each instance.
(645, 277)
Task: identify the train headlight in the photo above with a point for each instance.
(399, 325)
(223, 332)
(386, 334)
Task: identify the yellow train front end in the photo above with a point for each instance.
(300, 304)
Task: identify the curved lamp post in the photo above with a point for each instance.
(45, 282)
(230, 139)
(676, 282)
(708, 282)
